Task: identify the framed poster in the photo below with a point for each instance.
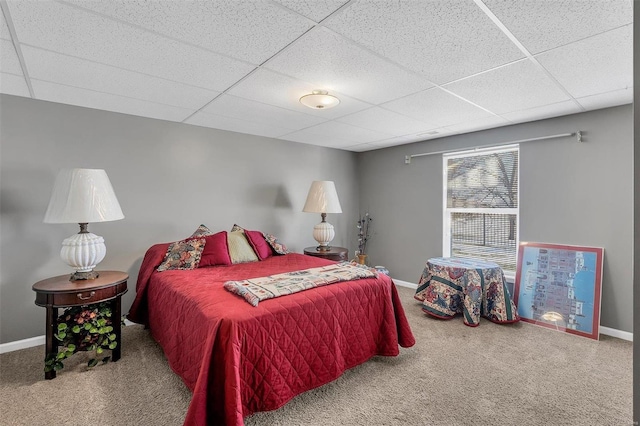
(559, 287)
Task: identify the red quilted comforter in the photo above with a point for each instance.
(239, 359)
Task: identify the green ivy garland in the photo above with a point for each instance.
(83, 328)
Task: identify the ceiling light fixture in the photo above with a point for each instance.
(319, 99)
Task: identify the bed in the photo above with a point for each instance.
(238, 359)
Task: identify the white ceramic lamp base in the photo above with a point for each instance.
(323, 233)
(83, 252)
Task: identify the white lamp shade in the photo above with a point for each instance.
(82, 196)
(322, 198)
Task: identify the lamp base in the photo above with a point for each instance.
(79, 276)
(323, 233)
(83, 251)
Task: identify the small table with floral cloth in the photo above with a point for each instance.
(450, 285)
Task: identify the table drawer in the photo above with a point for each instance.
(81, 297)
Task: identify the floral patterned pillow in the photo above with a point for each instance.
(275, 245)
(183, 254)
(202, 231)
(237, 228)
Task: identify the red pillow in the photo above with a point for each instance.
(215, 250)
(258, 243)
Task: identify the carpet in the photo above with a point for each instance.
(517, 374)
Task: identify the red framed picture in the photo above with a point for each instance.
(559, 287)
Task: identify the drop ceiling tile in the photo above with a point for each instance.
(236, 125)
(542, 112)
(69, 71)
(401, 140)
(432, 134)
(64, 29)
(363, 147)
(12, 84)
(46, 91)
(437, 107)
(334, 64)
(443, 42)
(475, 125)
(342, 145)
(9, 61)
(317, 139)
(514, 87)
(244, 109)
(282, 91)
(419, 137)
(140, 37)
(313, 9)
(404, 140)
(608, 99)
(251, 31)
(598, 64)
(385, 121)
(338, 131)
(541, 24)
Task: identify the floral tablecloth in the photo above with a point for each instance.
(450, 285)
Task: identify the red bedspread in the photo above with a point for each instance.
(239, 359)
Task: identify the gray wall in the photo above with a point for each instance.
(168, 178)
(570, 193)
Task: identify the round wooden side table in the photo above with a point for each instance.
(334, 253)
(60, 292)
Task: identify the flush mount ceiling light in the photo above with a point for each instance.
(319, 99)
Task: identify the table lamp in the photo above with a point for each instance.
(323, 198)
(82, 196)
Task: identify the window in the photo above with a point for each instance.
(481, 205)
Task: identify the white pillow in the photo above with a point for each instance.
(240, 251)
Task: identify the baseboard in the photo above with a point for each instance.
(22, 344)
(405, 283)
(624, 335)
(32, 341)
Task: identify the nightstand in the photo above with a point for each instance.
(59, 292)
(334, 253)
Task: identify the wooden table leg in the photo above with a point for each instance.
(117, 327)
(51, 346)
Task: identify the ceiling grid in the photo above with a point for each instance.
(404, 70)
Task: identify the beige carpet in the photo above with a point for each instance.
(455, 375)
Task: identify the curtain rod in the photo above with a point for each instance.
(578, 135)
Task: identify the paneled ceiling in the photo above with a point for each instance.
(404, 70)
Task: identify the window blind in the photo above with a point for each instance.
(481, 213)
(483, 181)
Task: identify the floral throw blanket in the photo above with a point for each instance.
(255, 290)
